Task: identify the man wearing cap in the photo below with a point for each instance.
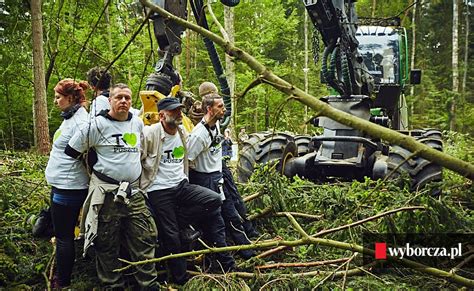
(176, 203)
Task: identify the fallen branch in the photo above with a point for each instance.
(263, 212)
(462, 167)
(347, 270)
(335, 271)
(251, 197)
(359, 222)
(316, 241)
(324, 232)
(464, 262)
(301, 264)
(299, 214)
(247, 275)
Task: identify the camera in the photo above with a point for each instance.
(217, 140)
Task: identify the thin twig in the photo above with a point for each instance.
(327, 231)
(49, 270)
(460, 265)
(347, 269)
(224, 33)
(252, 85)
(324, 232)
(297, 226)
(301, 264)
(333, 273)
(272, 281)
(299, 214)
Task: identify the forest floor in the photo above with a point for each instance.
(283, 210)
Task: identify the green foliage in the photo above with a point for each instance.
(23, 192)
(24, 260)
(346, 202)
(272, 31)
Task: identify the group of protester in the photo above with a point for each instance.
(137, 183)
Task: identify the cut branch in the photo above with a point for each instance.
(327, 231)
(301, 264)
(464, 168)
(310, 240)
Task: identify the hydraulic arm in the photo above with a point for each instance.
(342, 66)
(168, 35)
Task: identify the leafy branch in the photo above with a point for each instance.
(464, 168)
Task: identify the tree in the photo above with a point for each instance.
(40, 108)
(265, 75)
(229, 63)
(455, 64)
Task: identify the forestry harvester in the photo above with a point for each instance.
(367, 69)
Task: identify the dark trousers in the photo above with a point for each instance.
(175, 208)
(64, 221)
(131, 228)
(214, 232)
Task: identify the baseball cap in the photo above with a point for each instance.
(169, 103)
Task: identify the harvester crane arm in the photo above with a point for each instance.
(336, 21)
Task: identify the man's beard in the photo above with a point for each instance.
(173, 121)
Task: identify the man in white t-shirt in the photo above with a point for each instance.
(205, 149)
(175, 202)
(208, 169)
(99, 79)
(115, 214)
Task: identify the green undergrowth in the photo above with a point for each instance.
(24, 260)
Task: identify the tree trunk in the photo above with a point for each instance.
(10, 119)
(306, 69)
(455, 65)
(374, 5)
(229, 64)
(413, 48)
(40, 111)
(466, 61)
(265, 75)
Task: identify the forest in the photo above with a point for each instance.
(312, 234)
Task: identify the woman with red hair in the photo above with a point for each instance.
(68, 177)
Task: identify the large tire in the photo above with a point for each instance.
(303, 142)
(421, 171)
(261, 148)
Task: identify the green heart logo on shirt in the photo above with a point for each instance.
(57, 134)
(178, 152)
(130, 139)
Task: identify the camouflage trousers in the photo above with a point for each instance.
(131, 227)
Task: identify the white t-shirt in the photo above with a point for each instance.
(101, 102)
(171, 170)
(117, 144)
(204, 158)
(62, 171)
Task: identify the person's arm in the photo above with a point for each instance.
(81, 141)
(146, 141)
(195, 145)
